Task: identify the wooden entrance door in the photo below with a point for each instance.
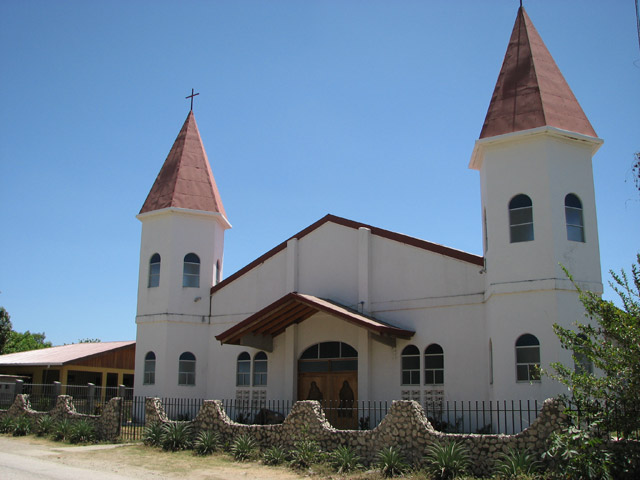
(337, 392)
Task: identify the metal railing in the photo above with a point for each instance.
(487, 417)
(483, 417)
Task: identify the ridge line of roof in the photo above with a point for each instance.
(381, 232)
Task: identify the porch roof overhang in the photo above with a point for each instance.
(259, 329)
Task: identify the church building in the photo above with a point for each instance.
(347, 310)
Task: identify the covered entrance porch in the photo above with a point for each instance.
(336, 372)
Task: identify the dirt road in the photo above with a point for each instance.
(27, 458)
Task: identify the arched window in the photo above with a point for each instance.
(187, 369)
(149, 377)
(521, 219)
(328, 357)
(527, 358)
(154, 270)
(434, 365)
(243, 370)
(191, 271)
(573, 214)
(410, 365)
(260, 369)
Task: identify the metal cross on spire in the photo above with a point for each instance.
(191, 97)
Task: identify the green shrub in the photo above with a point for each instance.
(176, 436)
(22, 426)
(344, 460)
(7, 424)
(391, 462)
(305, 453)
(152, 435)
(579, 454)
(62, 430)
(44, 425)
(516, 463)
(82, 431)
(244, 448)
(448, 460)
(206, 442)
(274, 456)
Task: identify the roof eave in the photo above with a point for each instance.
(235, 334)
(477, 157)
(219, 217)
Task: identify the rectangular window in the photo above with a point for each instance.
(244, 373)
(187, 373)
(260, 373)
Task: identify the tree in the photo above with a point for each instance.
(5, 328)
(610, 341)
(22, 342)
(89, 340)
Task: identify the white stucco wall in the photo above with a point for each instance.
(457, 304)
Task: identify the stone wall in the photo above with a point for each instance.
(107, 425)
(405, 427)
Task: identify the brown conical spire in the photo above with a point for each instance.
(530, 91)
(185, 180)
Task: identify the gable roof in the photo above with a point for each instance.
(185, 179)
(63, 354)
(397, 237)
(296, 307)
(531, 91)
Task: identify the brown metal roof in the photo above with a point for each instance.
(61, 355)
(531, 91)
(297, 307)
(397, 237)
(185, 180)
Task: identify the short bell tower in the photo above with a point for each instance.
(181, 255)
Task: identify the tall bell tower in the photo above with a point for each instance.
(534, 156)
(181, 254)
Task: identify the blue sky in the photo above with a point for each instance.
(364, 109)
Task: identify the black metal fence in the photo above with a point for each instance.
(484, 417)
(506, 417)
(88, 399)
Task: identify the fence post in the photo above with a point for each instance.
(18, 387)
(91, 395)
(122, 390)
(57, 389)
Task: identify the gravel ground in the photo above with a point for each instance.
(27, 458)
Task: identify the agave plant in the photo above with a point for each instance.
(344, 460)
(206, 442)
(62, 430)
(305, 453)
(82, 431)
(7, 424)
(244, 448)
(22, 426)
(176, 436)
(152, 435)
(516, 463)
(274, 456)
(447, 460)
(391, 462)
(44, 425)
